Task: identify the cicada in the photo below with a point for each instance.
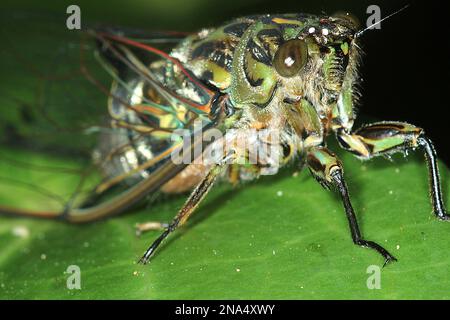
(293, 77)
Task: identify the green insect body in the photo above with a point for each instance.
(293, 74)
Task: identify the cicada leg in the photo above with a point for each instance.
(327, 169)
(188, 208)
(385, 138)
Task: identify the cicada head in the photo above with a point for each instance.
(286, 58)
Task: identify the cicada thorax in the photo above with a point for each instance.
(210, 53)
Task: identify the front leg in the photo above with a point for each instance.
(327, 169)
(385, 138)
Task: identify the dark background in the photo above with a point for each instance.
(405, 68)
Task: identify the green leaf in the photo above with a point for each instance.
(281, 237)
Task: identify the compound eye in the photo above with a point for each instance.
(291, 57)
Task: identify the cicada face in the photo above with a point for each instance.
(285, 59)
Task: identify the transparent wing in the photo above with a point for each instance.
(66, 136)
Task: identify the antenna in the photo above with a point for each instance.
(359, 33)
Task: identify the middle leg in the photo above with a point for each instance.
(327, 169)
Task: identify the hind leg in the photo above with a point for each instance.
(188, 208)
